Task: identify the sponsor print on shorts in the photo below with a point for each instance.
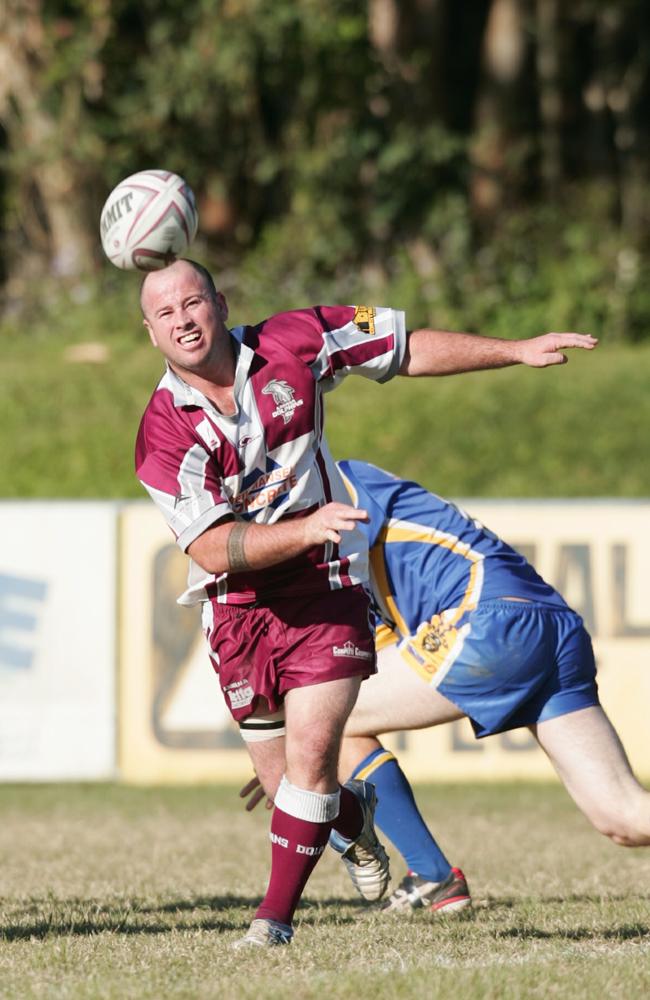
(283, 397)
(240, 694)
(350, 649)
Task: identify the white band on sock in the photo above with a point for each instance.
(312, 806)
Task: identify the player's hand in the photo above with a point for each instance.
(327, 523)
(255, 793)
(540, 352)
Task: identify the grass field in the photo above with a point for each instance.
(67, 427)
(115, 892)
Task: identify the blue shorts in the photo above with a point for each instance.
(520, 663)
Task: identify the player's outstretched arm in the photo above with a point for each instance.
(242, 546)
(441, 352)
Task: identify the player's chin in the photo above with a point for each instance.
(191, 357)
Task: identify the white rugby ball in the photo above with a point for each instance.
(148, 220)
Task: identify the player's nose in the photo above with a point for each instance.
(183, 320)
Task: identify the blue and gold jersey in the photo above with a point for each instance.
(428, 558)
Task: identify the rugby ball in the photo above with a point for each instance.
(148, 220)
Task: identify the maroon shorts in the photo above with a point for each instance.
(263, 652)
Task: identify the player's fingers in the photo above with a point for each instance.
(347, 519)
(556, 358)
(346, 511)
(359, 514)
(346, 525)
(255, 799)
(249, 787)
(332, 536)
(572, 339)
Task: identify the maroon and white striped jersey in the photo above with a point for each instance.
(270, 459)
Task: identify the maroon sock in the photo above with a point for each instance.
(296, 846)
(350, 818)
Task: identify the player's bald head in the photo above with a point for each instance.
(154, 281)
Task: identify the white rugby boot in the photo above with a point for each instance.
(446, 898)
(365, 858)
(264, 933)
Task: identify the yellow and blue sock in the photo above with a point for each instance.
(398, 816)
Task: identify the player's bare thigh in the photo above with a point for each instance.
(396, 698)
(315, 717)
(308, 753)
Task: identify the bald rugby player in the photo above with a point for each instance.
(231, 449)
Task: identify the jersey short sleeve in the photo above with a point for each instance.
(176, 469)
(336, 341)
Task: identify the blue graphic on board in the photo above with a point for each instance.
(21, 601)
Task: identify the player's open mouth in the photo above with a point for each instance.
(189, 338)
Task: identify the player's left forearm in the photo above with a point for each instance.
(442, 352)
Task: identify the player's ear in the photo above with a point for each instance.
(152, 336)
(222, 306)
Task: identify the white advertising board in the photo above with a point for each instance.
(57, 640)
(173, 723)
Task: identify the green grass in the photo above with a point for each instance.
(67, 429)
(517, 432)
(116, 893)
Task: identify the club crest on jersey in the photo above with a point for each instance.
(364, 318)
(283, 397)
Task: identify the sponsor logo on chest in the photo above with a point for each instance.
(266, 488)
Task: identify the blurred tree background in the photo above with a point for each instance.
(482, 164)
(465, 153)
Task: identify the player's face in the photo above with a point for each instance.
(185, 319)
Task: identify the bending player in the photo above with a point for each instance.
(467, 627)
